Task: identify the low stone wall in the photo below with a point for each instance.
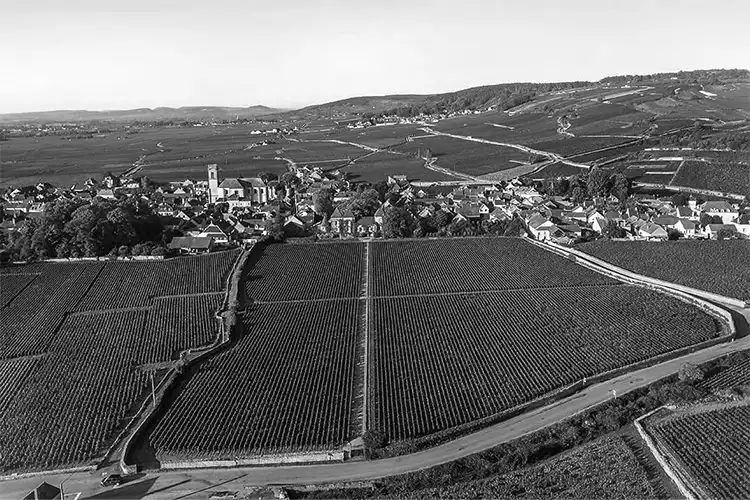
(26, 475)
(188, 357)
(686, 294)
(663, 461)
(290, 458)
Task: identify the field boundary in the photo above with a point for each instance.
(686, 189)
(147, 412)
(663, 457)
(599, 263)
(309, 457)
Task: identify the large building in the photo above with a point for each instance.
(238, 191)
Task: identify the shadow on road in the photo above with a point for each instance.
(211, 486)
(127, 490)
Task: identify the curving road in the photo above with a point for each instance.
(199, 483)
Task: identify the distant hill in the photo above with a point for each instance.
(140, 114)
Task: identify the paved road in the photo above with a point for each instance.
(200, 483)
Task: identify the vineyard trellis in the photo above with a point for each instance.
(286, 386)
(713, 447)
(444, 361)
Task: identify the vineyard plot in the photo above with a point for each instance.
(12, 284)
(29, 323)
(471, 265)
(713, 447)
(438, 362)
(305, 272)
(714, 266)
(69, 409)
(134, 284)
(287, 385)
(13, 374)
(176, 323)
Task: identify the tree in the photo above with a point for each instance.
(275, 227)
(363, 204)
(612, 230)
(516, 227)
(706, 219)
(680, 199)
(690, 373)
(620, 187)
(726, 234)
(323, 202)
(397, 223)
(597, 181)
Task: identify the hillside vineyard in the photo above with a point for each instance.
(443, 333)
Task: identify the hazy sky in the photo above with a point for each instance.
(105, 54)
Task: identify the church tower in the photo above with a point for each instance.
(213, 183)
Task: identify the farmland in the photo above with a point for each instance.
(711, 445)
(605, 468)
(466, 157)
(471, 265)
(378, 166)
(184, 152)
(432, 373)
(716, 176)
(74, 380)
(706, 265)
(292, 272)
(287, 385)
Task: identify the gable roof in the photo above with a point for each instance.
(191, 242)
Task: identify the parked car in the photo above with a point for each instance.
(112, 480)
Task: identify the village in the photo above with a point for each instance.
(306, 202)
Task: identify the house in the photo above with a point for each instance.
(379, 214)
(651, 231)
(252, 189)
(191, 244)
(722, 209)
(106, 194)
(216, 233)
(44, 491)
(599, 224)
(342, 221)
(366, 226)
(686, 227)
(712, 230)
(666, 221)
(499, 215)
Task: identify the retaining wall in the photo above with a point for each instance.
(647, 279)
(664, 462)
(144, 417)
(70, 470)
(291, 458)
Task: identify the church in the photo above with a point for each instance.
(238, 191)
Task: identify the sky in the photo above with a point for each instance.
(106, 54)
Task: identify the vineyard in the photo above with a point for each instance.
(30, 321)
(287, 385)
(713, 447)
(134, 284)
(304, 272)
(65, 400)
(605, 468)
(442, 361)
(707, 265)
(735, 376)
(471, 265)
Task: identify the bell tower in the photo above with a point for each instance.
(213, 183)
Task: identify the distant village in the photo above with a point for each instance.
(306, 202)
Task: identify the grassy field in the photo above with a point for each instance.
(706, 265)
